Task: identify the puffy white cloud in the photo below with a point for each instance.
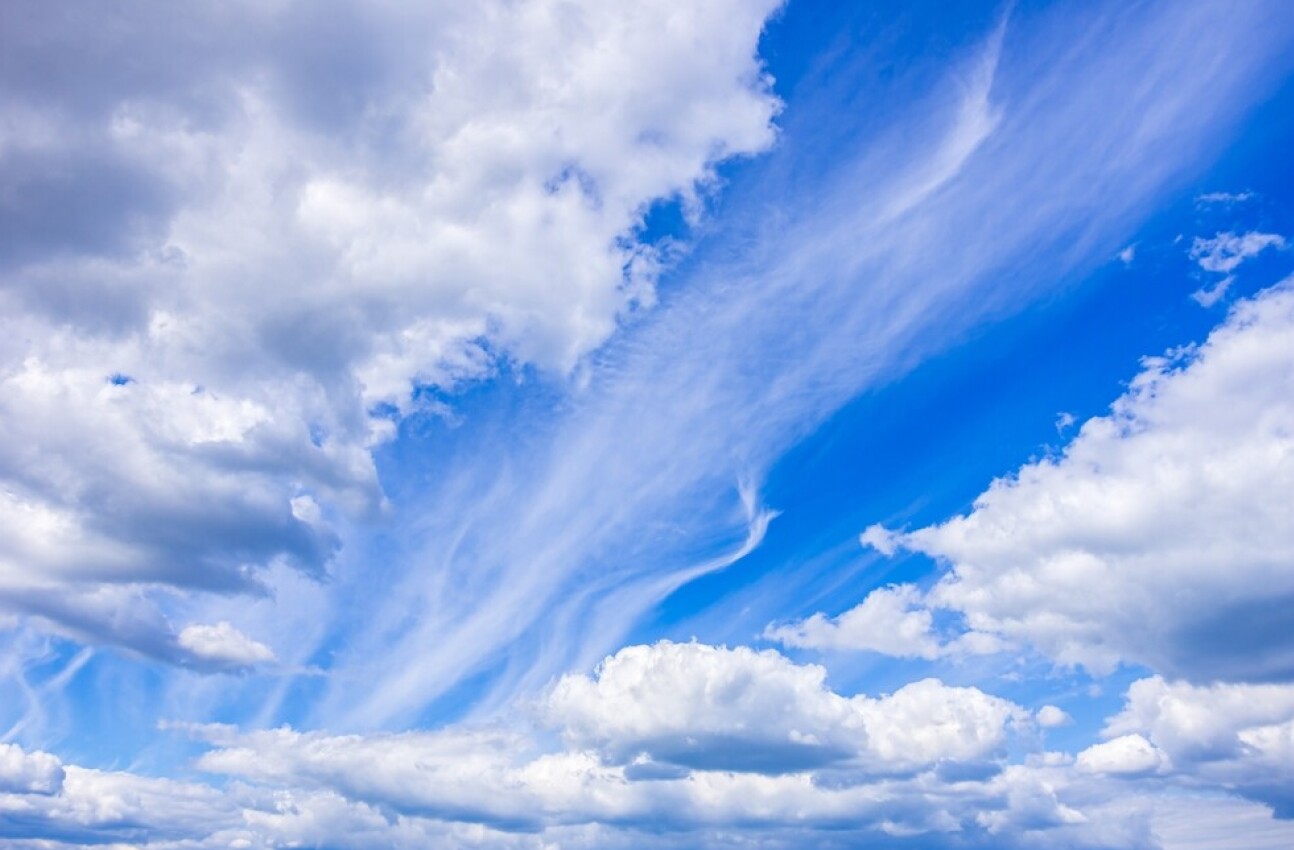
(1235, 736)
(891, 620)
(917, 775)
(1051, 716)
(1125, 755)
(246, 238)
(22, 772)
(1164, 533)
(223, 644)
(715, 708)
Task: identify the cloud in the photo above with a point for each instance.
(713, 708)
(1223, 254)
(28, 773)
(1235, 736)
(1178, 493)
(1050, 716)
(893, 620)
(251, 240)
(1223, 198)
(927, 765)
(223, 644)
(1127, 755)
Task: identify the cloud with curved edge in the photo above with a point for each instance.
(1180, 490)
(249, 239)
(1234, 736)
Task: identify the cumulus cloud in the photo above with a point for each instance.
(223, 644)
(891, 620)
(22, 772)
(1051, 716)
(715, 708)
(1234, 736)
(1124, 755)
(925, 764)
(248, 239)
(1181, 491)
(717, 810)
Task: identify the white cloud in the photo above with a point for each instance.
(224, 644)
(1207, 296)
(1234, 736)
(1125, 755)
(1179, 494)
(926, 766)
(1051, 716)
(891, 621)
(714, 708)
(1223, 198)
(22, 772)
(310, 800)
(258, 248)
(1225, 252)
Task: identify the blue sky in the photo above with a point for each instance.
(640, 425)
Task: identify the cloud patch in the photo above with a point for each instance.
(1183, 487)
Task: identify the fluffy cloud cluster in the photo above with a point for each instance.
(243, 242)
(1181, 493)
(1235, 736)
(675, 736)
(709, 708)
(921, 765)
(28, 773)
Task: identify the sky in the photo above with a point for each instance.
(555, 424)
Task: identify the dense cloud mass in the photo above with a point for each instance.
(243, 241)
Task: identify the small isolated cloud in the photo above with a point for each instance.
(1225, 252)
(1207, 296)
(222, 644)
(1064, 421)
(1222, 198)
(1050, 716)
(1127, 254)
(891, 620)
(1127, 755)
